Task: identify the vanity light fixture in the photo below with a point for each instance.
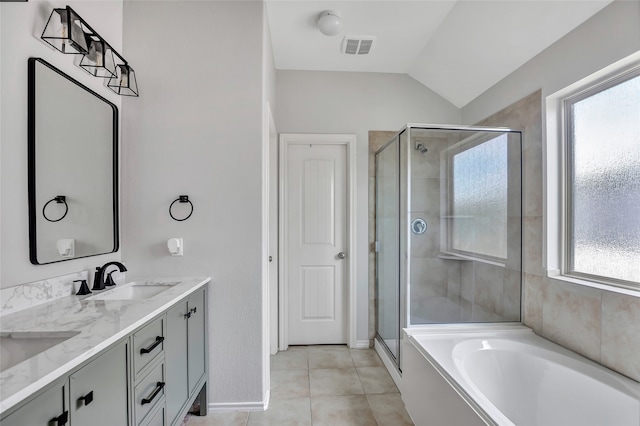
(64, 32)
(124, 82)
(99, 60)
(67, 32)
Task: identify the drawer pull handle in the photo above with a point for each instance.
(62, 419)
(159, 339)
(158, 389)
(88, 398)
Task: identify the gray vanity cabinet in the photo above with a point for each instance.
(98, 391)
(150, 378)
(95, 395)
(197, 339)
(184, 353)
(50, 408)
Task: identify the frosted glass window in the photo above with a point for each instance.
(603, 212)
(479, 207)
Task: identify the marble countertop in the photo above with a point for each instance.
(98, 324)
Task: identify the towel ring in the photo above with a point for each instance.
(181, 199)
(60, 199)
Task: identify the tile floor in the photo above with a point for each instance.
(323, 385)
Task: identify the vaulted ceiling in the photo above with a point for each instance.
(458, 49)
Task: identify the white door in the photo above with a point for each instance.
(316, 234)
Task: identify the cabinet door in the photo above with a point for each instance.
(99, 390)
(197, 339)
(175, 352)
(47, 409)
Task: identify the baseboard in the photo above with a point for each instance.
(239, 406)
(361, 344)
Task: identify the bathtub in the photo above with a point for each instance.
(509, 376)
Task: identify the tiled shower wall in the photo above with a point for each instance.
(601, 325)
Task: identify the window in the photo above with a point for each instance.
(601, 235)
(478, 195)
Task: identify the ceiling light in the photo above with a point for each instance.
(329, 23)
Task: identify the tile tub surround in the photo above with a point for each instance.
(99, 323)
(598, 324)
(25, 296)
(323, 385)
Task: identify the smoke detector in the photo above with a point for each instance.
(358, 45)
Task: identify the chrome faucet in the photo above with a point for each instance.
(99, 277)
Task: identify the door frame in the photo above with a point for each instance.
(286, 140)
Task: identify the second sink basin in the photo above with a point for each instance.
(131, 291)
(16, 347)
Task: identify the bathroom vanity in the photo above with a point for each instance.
(133, 355)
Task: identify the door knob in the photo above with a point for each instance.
(342, 255)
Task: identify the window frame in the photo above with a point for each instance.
(566, 219)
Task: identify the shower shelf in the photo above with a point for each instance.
(450, 257)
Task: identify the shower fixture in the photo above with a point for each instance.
(420, 147)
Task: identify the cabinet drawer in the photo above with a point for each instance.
(157, 418)
(149, 391)
(147, 344)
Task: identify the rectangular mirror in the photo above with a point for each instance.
(73, 168)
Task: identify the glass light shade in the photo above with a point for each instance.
(124, 83)
(99, 61)
(64, 32)
(330, 23)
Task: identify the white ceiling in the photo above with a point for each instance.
(458, 49)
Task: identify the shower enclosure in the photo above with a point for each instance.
(448, 229)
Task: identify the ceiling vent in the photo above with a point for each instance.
(358, 45)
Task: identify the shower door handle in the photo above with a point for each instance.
(342, 255)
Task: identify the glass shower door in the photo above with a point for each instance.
(387, 247)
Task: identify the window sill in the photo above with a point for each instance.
(555, 275)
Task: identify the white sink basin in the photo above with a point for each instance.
(16, 347)
(131, 291)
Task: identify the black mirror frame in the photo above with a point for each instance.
(33, 210)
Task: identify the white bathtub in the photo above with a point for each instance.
(511, 377)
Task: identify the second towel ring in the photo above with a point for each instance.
(181, 199)
(60, 199)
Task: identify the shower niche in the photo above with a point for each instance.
(448, 228)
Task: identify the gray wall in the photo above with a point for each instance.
(21, 25)
(599, 324)
(605, 38)
(197, 130)
(352, 102)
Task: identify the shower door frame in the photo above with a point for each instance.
(395, 358)
(405, 267)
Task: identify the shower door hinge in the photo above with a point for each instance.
(376, 246)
